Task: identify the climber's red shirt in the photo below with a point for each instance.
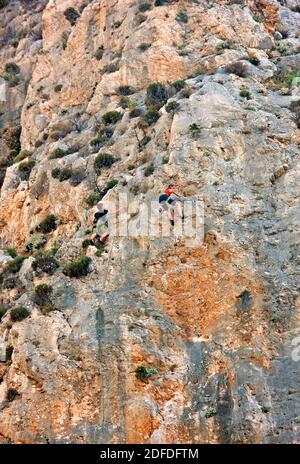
(169, 191)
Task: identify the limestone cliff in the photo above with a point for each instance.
(151, 340)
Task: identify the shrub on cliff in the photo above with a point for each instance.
(11, 394)
(172, 107)
(22, 155)
(19, 314)
(15, 265)
(103, 136)
(12, 68)
(182, 17)
(93, 198)
(161, 2)
(210, 412)
(112, 117)
(42, 295)
(145, 7)
(285, 77)
(150, 117)
(58, 153)
(157, 96)
(78, 268)
(61, 174)
(3, 311)
(178, 85)
(11, 137)
(103, 160)
(45, 263)
(144, 373)
(125, 90)
(111, 184)
(36, 242)
(3, 3)
(11, 252)
(25, 168)
(144, 46)
(71, 15)
(47, 225)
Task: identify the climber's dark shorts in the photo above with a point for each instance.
(165, 198)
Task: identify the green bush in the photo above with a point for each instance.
(145, 7)
(36, 242)
(178, 85)
(42, 295)
(25, 168)
(285, 77)
(3, 3)
(210, 412)
(149, 170)
(104, 134)
(15, 265)
(182, 17)
(253, 60)
(144, 46)
(11, 137)
(78, 268)
(172, 107)
(12, 68)
(111, 117)
(58, 88)
(58, 153)
(47, 225)
(71, 15)
(151, 117)
(86, 243)
(145, 140)
(11, 252)
(265, 409)
(11, 394)
(62, 174)
(100, 251)
(131, 167)
(3, 311)
(244, 93)
(143, 372)
(22, 155)
(45, 262)
(135, 113)
(157, 96)
(125, 90)
(195, 130)
(111, 184)
(19, 313)
(93, 198)
(103, 160)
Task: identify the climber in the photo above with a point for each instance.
(169, 201)
(101, 223)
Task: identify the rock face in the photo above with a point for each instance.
(158, 341)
